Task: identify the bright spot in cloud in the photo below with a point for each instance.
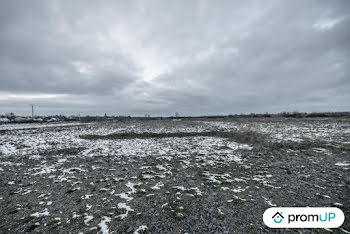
(82, 68)
(11, 96)
(326, 24)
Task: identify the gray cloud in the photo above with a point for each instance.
(159, 57)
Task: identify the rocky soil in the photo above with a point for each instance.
(170, 176)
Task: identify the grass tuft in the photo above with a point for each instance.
(247, 137)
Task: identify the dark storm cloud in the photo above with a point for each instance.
(41, 52)
(158, 57)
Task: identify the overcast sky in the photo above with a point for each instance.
(159, 57)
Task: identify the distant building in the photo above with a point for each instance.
(52, 120)
(20, 119)
(10, 115)
(4, 120)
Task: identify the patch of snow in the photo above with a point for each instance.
(343, 164)
(103, 224)
(127, 209)
(35, 157)
(269, 202)
(8, 149)
(44, 169)
(88, 218)
(87, 196)
(157, 186)
(44, 213)
(141, 228)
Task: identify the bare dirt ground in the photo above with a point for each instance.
(170, 176)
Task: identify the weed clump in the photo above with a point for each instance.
(247, 137)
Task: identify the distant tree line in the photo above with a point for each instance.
(294, 114)
(12, 118)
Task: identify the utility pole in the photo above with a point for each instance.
(32, 110)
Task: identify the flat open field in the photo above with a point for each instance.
(170, 176)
